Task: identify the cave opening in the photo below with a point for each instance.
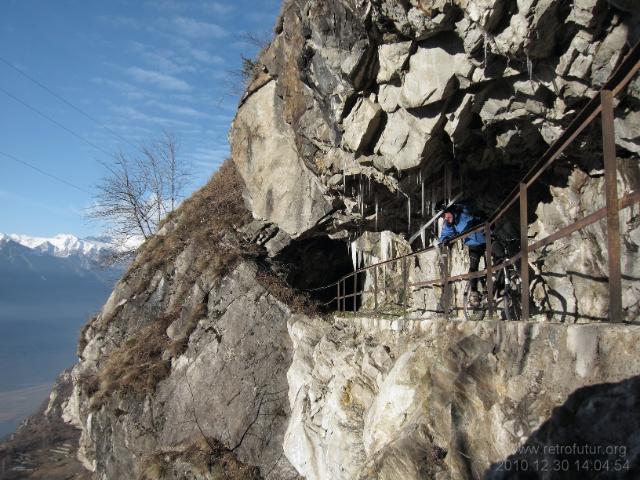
(313, 263)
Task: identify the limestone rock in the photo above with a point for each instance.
(580, 47)
(229, 383)
(361, 124)
(433, 74)
(485, 13)
(407, 139)
(392, 398)
(419, 19)
(627, 132)
(490, 85)
(389, 97)
(582, 12)
(392, 58)
(607, 54)
(511, 39)
(578, 293)
(458, 120)
(280, 188)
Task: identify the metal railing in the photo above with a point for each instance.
(601, 104)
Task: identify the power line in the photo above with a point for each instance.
(67, 102)
(45, 116)
(43, 172)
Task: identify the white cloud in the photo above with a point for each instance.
(166, 60)
(179, 110)
(209, 156)
(134, 114)
(218, 8)
(160, 80)
(205, 57)
(196, 29)
(129, 91)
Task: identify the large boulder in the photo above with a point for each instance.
(361, 124)
(280, 188)
(435, 71)
(408, 140)
(392, 58)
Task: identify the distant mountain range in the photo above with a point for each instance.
(49, 287)
(63, 245)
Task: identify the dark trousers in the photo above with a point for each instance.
(475, 253)
(478, 252)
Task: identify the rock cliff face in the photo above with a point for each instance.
(183, 372)
(375, 399)
(361, 116)
(379, 109)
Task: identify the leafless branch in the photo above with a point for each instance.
(140, 189)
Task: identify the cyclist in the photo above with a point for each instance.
(457, 220)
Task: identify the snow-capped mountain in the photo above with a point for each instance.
(61, 245)
(49, 287)
(64, 245)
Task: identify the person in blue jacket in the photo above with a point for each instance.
(457, 220)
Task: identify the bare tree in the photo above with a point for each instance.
(139, 190)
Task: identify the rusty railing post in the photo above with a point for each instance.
(405, 278)
(445, 281)
(355, 291)
(613, 215)
(524, 252)
(488, 260)
(384, 282)
(375, 287)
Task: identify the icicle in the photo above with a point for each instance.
(422, 199)
(529, 68)
(376, 213)
(354, 255)
(385, 245)
(423, 235)
(409, 213)
(384, 278)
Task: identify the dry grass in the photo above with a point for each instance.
(299, 302)
(206, 457)
(142, 361)
(82, 341)
(208, 220)
(135, 367)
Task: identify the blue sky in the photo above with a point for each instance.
(137, 66)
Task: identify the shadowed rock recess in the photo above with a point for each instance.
(207, 361)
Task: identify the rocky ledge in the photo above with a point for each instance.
(376, 399)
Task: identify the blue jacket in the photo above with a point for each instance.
(463, 221)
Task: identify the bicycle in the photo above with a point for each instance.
(506, 289)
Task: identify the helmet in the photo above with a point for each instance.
(441, 206)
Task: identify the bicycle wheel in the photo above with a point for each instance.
(511, 300)
(472, 313)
